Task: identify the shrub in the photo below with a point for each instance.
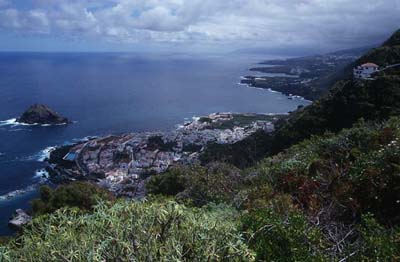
(133, 231)
(79, 194)
(216, 182)
(198, 185)
(377, 242)
(276, 237)
(169, 183)
(353, 172)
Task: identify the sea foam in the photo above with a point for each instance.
(41, 174)
(8, 122)
(41, 177)
(44, 154)
(19, 192)
(14, 123)
(40, 156)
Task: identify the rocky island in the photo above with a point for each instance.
(43, 115)
(122, 163)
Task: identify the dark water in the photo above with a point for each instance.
(111, 93)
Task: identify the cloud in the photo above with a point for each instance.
(271, 22)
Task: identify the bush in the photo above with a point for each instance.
(198, 185)
(169, 183)
(276, 237)
(378, 242)
(79, 194)
(216, 182)
(133, 231)
(353, 172)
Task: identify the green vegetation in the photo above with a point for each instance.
(83, 196)
(282, 238)
(156, 142)
(243, 153)
(317, 200)
(327, 198)
(133, 231)
(198, 185)
(324, 187)
(347, 102)
(168, 184)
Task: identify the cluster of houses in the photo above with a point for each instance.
(122, 160)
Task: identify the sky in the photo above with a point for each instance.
(194, 25)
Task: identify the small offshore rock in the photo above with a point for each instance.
(42, 114)
(19, 219)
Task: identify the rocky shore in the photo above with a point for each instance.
(307, 77)
(122, 163)
(19, 219)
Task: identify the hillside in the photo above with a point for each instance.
(347, 101)
(350, 100)
(329, 198)
(324, 187)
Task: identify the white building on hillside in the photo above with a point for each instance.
(365, 71)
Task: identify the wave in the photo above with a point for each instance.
(19, 192)
(20, 129)
(44, 154)
(8, 122)
(14, 123)
(40, 156)
(41, 176)
(84, 139)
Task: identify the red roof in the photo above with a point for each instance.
(369, 65)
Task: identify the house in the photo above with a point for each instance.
(365, 71)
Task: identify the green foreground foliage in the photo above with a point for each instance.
(133, 231)
(328, 198)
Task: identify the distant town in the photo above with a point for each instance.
(308, 77)
(121, 163)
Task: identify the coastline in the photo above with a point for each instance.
(307, 77)
(290, 95)
(122, 163)
(269, 83)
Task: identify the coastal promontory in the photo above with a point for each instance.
(42, 114)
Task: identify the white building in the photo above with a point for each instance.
(365, 71)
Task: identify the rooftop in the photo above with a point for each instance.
(369, 65)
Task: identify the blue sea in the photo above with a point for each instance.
(111, 93)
